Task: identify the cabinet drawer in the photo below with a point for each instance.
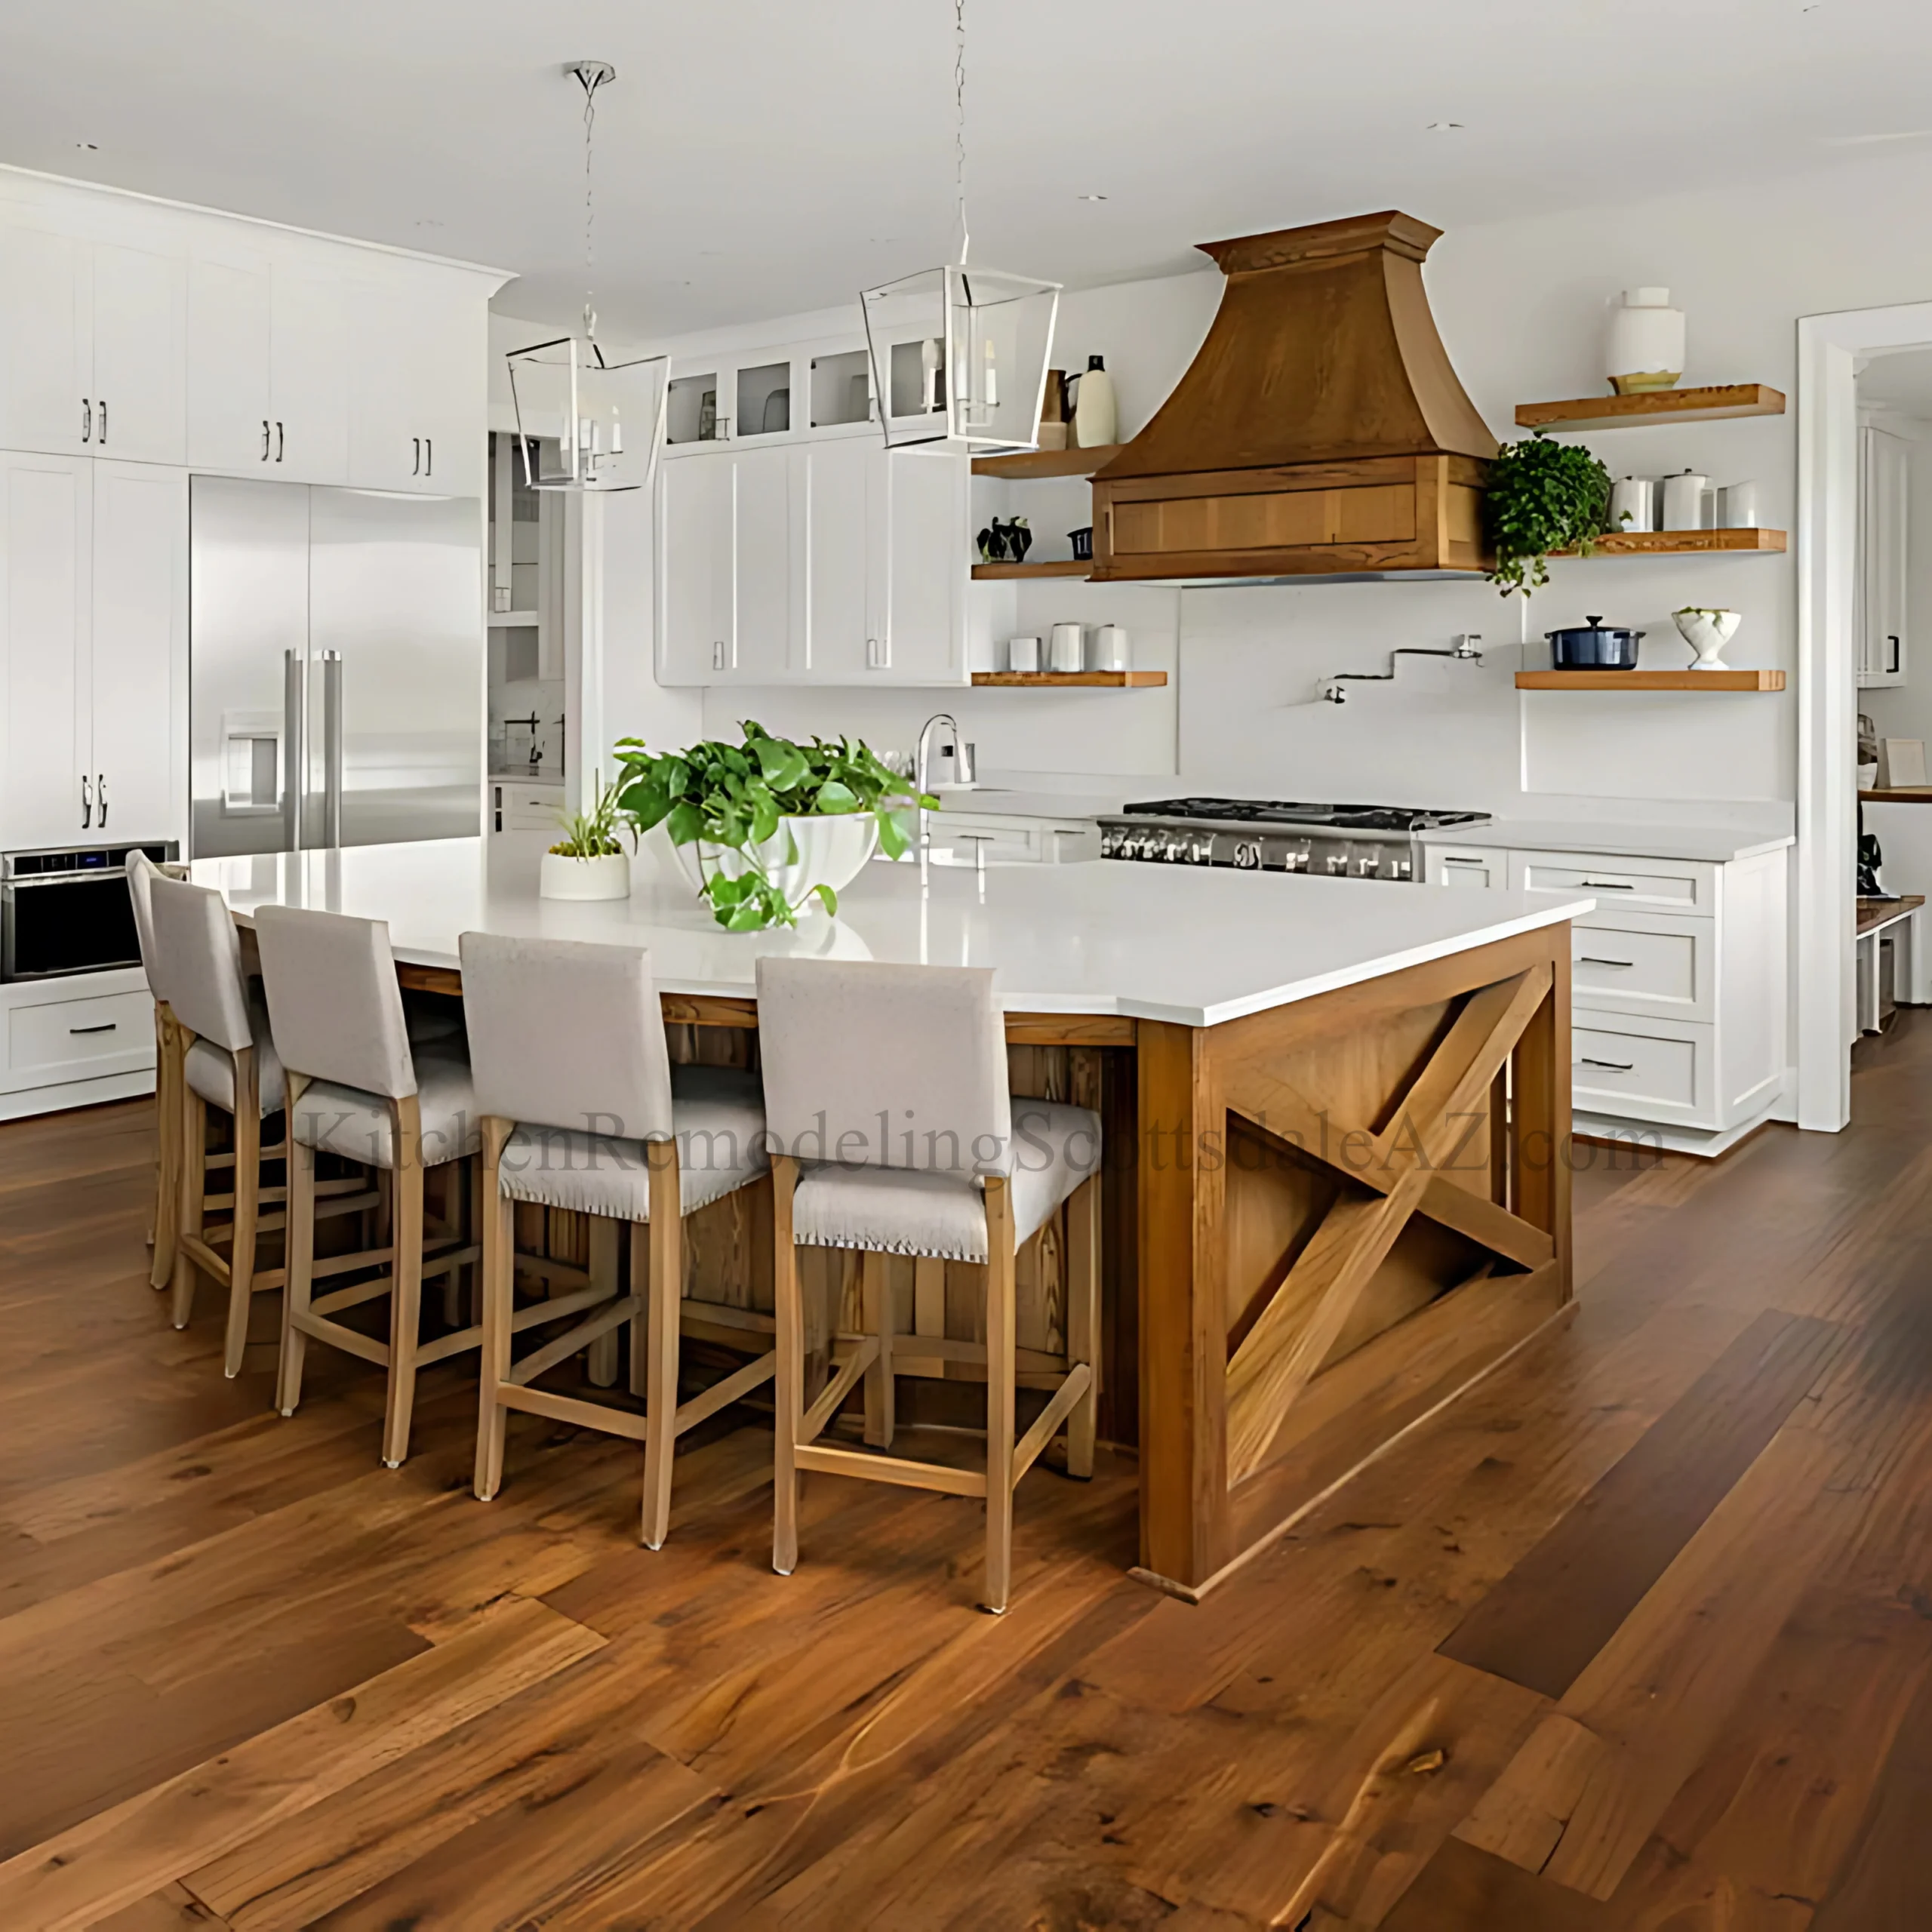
(58, 1036)
(525, 807)
(1644, 885)
(1016, 840)
(1662, 1072)
(1645, 966)
(1466, 865)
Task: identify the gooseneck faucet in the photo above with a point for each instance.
(922, 768)
(1466, 650)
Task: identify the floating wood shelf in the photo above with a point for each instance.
(1066, 566)
(1623, 412)
(1047, 463)
(1684, 543)
(1649, 681)
(1103, 681)
(1897, 795)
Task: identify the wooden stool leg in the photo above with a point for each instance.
(247, 1200)
(875, 1296)
(789, 1387)
(168, 1090)
(1083, 1320)
(405, 1277)
(449, 1203)
(492, 1217)
(602, 1356)
(666, 1319)
(299, 1245)
(194, 1187)
(1001, 1368)
(640, 1323)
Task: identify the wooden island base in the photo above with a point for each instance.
(1319, 1224)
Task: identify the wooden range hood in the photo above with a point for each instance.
(1319, 431)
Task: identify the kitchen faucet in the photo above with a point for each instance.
(1467, 649)
(922, 766)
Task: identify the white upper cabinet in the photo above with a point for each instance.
(1884, 546)
(844, 596)
(46, 344)
(416, 371)
(695, 528)
(229, 410)
(924, 640)
(140, 336)
(767, 582)
(308, 377)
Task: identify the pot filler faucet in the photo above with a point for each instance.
(922, 767)
(1467, 648)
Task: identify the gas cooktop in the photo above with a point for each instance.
(1268, 811)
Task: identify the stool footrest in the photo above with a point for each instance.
(889, 1468)
(572, 1339)
(741, 1381)
(1036, 1438)
(843, 1381)
(571, 1409)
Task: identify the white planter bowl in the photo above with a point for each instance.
(562, 877)
(1707, 633)
(831, 849)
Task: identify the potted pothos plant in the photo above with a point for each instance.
(589, 861)
(1542, 497)
(766, 825)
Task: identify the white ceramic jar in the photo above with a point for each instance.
(1646, 345)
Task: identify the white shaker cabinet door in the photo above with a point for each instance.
(309, 383)
(139, 612)
(140, 305)
(228, 397)
(924, 632)
(765, 571)
(46, 349)
(695, 544)
(45, 587)
(843, 481)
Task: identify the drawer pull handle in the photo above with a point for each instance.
(1612, 1065)
(1608, 884)
(1589, 959)
(105, 1026)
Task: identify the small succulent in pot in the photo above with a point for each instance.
(1542, 497)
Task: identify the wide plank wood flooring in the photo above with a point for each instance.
(1637, 1635)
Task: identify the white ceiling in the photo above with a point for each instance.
(757, 157)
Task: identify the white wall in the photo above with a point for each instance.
(1520, 306)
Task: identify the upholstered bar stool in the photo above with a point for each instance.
(892, 1131)
(582, 1109)
(356, 1090)
(168, 1125)
(225, 1060)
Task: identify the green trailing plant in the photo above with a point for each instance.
(592, 834)
(1541, 497)
(738, 796)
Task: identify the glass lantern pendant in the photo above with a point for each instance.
(959, 354)
(582, 421)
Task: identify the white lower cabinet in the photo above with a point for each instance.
(93, 633)
(834, 562)
(1678, 981)
(970, 837)
(67, 1042)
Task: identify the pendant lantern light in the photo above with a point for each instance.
(959, 354)
(584, 421)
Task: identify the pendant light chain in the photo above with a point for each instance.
(959, 123)
(592, 78)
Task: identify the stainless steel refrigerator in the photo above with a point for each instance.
(337, 666)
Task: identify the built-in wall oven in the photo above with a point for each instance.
(68, 911)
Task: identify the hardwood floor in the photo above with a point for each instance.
(1637, 1635)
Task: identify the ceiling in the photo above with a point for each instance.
(1902, 381)
(758, 157)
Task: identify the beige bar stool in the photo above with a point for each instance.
(225, 1060)
(892, 1131)
(355, 1089)
(582, 1109)
(141, 870)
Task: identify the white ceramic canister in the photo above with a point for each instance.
(1684, 501)
(1111, 649)
(1022, 653)
(1737, 506)
(1646, 347)
(1065, 648)
(1633, 503)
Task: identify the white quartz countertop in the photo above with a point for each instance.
(1195, 945)
(1714, 844)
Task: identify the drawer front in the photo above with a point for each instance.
(526, 807)
(1011, 843)
(61, 1039)
(1645, 1074)
(1624, 967)
(1466, 865)
(1644, 885)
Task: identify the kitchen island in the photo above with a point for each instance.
(1337, 1112)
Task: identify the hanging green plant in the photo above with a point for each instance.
(1542, 497)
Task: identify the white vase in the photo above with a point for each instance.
(1096, 413)
(1646, 345)
(1707, 633)
(562, 877)
(813, 850)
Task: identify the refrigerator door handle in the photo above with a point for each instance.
(332, 749)
(294, 746)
